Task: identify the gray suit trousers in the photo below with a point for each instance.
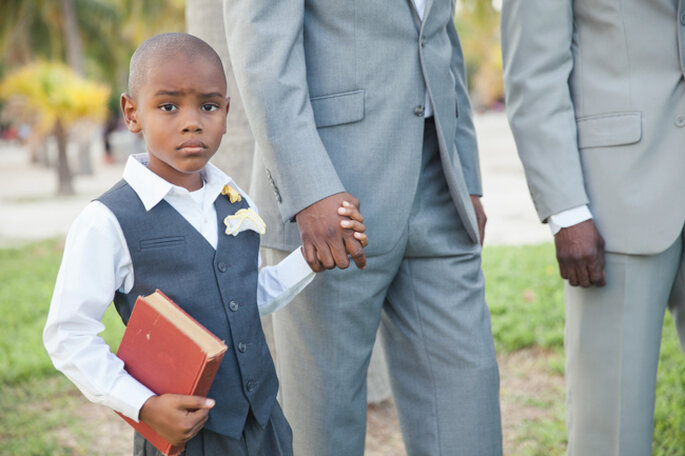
(612, 341)
(427, 295)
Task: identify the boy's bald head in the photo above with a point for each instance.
(165, 46)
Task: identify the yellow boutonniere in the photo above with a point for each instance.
(244, 219)
(233, 194)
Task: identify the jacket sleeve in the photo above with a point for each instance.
(538, 60)
(465, 137)
(265, 43)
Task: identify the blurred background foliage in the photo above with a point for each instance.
(94, 39)
(53, 92)
(478, 26)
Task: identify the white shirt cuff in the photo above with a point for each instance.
(128, 396)
(279, 284)
(568, 218)
(294, 269)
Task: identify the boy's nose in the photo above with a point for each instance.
(192, 124)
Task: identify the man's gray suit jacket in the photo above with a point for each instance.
(596, 101)
(334, 91)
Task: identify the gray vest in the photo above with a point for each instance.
(216, 287)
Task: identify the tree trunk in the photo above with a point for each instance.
(72, 39)
(74, 48)
(64, 176)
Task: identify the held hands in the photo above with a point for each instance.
(176, 417)
(580, 252)
(355, 222)
(331, 229)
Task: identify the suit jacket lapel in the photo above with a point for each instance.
(427, 10)
(417, 17)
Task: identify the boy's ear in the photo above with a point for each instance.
(130, 111)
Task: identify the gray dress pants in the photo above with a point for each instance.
(426, 294)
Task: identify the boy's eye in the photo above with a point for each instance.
(168, 107)
(210, 107)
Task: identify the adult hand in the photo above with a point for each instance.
(481, 218)
(325, 242)
(177, 418)
(580, 252)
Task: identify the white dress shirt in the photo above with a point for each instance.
(96, 263)
(568, 218)
(420, 6)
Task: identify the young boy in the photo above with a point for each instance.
(157, 228)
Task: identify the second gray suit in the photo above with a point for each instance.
(596, 101)
(334, 92)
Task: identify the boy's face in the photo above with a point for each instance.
(181, 110)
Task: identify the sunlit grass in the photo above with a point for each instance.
(523, 290)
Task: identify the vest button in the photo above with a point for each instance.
(679, 120)
(251, 384)
(682, 19)
(419, 111)
(242, 347)
(233, 306)
(222, 267)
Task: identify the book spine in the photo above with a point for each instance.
(204, 380)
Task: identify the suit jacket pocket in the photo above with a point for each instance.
(156, 243)
(611, 129)
(338, 108)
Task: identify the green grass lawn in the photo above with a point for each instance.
(523, 289)
(37, 403)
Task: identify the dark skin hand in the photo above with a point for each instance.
(580, 252)
(176, 417)
(481, 218)
(325, 242)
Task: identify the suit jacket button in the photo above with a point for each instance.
(419, 111)
(242, 347)
(251, 385)
(233, 306)
(679, 121)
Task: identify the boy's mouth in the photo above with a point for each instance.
(192, 146)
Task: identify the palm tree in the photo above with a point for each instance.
(55, 96)
(95, 37)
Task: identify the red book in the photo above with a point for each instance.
(168, 351)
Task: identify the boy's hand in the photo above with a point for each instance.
(355, 222)
(176, 417)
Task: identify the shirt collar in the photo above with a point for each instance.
(151, 188)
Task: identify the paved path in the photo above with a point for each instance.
(30, 211)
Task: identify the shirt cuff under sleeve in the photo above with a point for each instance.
(128, 396)
(294, 269)
(279, 284)
(568, 218)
